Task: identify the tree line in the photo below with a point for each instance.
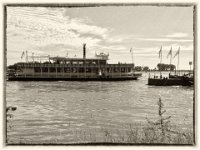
(166, 67)
(160, 67)
(140, 68)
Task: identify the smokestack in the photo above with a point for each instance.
(84, 50)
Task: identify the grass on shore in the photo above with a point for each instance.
(159, 131)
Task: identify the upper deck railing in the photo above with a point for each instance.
(71, 65)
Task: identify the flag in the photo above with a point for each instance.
(160, 52)
(170, 52)
(22, 54)
(177, 53)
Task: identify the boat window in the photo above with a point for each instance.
(88, 70)
(52, 69)
(81, 70)
(109, 69)
(74, 70)
(37, 69)
(96, 70)
(122, 69)
(102, 62)
(116, 70)
(66, 69)
(44, 69)
(59, 69)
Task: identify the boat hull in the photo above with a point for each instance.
(70, 79)
(170, 82)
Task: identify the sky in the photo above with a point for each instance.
(58, 31)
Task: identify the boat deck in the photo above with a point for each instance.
(71, 79)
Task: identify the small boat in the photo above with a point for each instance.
(172, 80)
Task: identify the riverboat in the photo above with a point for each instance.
(72, 69)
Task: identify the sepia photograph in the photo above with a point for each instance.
(99, 74)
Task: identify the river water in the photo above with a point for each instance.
(57, 112)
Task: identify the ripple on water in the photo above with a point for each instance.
(57, 110)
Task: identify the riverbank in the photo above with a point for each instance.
(128, 135)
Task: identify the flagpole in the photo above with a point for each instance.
(33, 56)
(170, 60)
(26, 56)
(132, 59)
(178, 60)
(160, 58)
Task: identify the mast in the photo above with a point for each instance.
(171, 60)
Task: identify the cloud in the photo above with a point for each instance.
(113, 48)
(92, 35)
(188, 47)
(177, 35)
(115, 40)
(44, 31)
(164, 39)
(42, 26)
